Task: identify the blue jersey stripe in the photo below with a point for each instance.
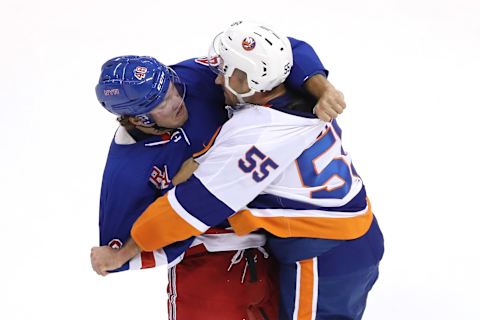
(201, 203)
(268, 201)
(174, 250)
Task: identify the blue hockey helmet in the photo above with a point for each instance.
(134, 85)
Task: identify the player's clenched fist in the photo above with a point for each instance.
(104, 259)
(330, 105)
(330, 101)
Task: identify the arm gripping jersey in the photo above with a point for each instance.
(246, 155)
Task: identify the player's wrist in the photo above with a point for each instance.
(129, 251)
(318, 85)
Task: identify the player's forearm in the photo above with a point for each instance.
(128, 251)
(317, 85)
(185, 172)
(105, 259)
(330, 101)
(309, 73)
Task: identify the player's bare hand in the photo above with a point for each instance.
(330, 104)
(185, 172)
(104, 259)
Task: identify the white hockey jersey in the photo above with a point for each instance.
(284, 173)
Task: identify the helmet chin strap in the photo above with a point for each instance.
(239, 96)
(148, 123)
(156, 127)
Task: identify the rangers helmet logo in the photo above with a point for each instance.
(140, 72)
(115, 244)
(248, 43)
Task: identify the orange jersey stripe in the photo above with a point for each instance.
(244, 222)
(208, 146)
(306, 290)
(159, 225)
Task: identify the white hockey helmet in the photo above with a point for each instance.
(265, 56)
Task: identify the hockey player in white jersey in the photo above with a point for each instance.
(275, 166)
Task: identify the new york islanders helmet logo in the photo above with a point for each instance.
(248, 43)
(115, 244)
(140, 72)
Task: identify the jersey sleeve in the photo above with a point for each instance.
(169, 256)
(306, 64)
(251, 150)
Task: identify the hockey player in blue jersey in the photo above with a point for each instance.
(273, 167)
(147, 150)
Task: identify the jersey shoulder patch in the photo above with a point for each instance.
(159, 178)
(205, 61)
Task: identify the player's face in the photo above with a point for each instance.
(238, 82)
(172, 112)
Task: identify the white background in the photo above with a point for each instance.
(410, 72)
